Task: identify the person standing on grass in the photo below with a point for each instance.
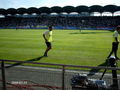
(115, 42)
(48, 39)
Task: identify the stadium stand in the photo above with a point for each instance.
(60, 22)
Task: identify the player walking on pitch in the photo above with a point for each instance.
(115, 42)
(48, 39)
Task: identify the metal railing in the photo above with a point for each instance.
(17, 76)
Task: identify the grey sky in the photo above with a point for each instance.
(49, 3)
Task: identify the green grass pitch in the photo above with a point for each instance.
(89, 47)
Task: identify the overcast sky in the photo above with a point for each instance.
(49, 3)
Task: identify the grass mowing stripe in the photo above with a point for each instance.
(89, 47)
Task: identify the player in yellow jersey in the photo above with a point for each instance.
(48, 39)
(115, 42)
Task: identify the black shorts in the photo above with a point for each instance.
(48, 44)
(115, 46)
